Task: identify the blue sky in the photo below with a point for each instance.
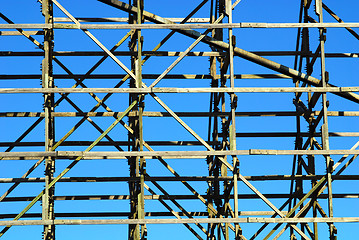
(342, 73)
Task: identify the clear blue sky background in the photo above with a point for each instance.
(342, 73)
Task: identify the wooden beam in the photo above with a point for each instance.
(177, 221)
(181, 90)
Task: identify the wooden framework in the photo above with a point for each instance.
(227, 201)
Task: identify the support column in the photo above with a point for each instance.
(48, 82)
(232, 130)
(215, 166)
(141, 160)
(312, 127)
(224, 122)
(213, 170)
(137, 164)
(308, 167)
(324, 130)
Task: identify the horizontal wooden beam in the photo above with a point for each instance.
(176, 221)
(182, 178)
(177, 197)
(108, 143)
(165, 154)
(180, 114)
(293, 134)
(125, 19)
(169, 53)
(26, 26)
(179, 26)
(127, 214)
(144, 76)
(182, 90)
(17, 33)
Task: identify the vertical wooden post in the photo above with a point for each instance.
(141, 160)
(133, 233)
(137, 164)
(48, 82)
(213, 187)
(233, 142)
(325, 104)
(223, 169)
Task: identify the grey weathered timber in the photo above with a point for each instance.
(178, 221)
(148, 214)
(176, 154)
(180, 114)
(182, 197)
(165, 53)
(325, 126)
(16, 33)
(114, 19)
(172, 25)
(240, 52)
(48, 203)
(179, 178)
(231, 168)
(336, 90)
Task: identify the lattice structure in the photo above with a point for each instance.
(178, 119)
